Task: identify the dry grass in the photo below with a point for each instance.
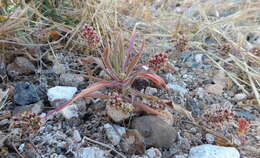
(28, 26)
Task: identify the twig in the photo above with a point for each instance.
(104, 145)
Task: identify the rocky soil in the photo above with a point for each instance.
(89, 128)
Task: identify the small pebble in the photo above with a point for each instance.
(240, 96)
(153, 153)
(4, 122)
(151, 91)
(76, 136)
(210, 138)
(198, 58)
(114, 133)
(90, 152)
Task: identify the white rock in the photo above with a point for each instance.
(180, 156)
(177, 88)
(153, 153)
(90, 152)
(150, 91)
(61, 92)
(240, 96)
(70, 111)
(198, 58)
(114, 134)
(210, 138)
(76, 136)
(213, 151)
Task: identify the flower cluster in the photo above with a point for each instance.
(219, 117)
(181, 44)
(117, 101)
(156, 105)
(28, 123)
(158, 62)
(225, 48)
(255, 51)
(90, 36)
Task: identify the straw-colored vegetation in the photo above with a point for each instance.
(225, 31)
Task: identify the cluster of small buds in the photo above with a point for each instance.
(156, 105)
(117, 101)
(181, 44)
(158, 62)
(27, 122)
(90, 36)
(255, 51)
(219, 117)
(225, 48)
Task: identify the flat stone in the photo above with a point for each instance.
(61, 92)
(213, 151)
(156, 131)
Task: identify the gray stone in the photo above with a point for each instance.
(156, 131)
(177, 88)
(114, 133)
(25, 93)
(4, 122)
(90, 152)
(210, 138)
(213, 151)
(73, 80)
(20, 66)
